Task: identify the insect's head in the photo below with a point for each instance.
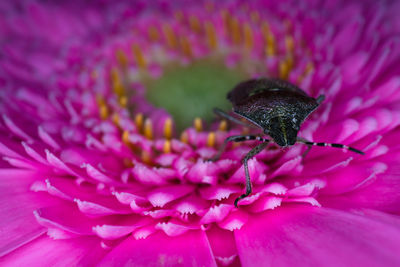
(282, 131)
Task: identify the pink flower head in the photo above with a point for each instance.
(95, 171)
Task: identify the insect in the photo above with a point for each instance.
(278, 108)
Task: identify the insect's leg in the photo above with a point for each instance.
(225, 115)
(331, 145)
(236, 138)
(302, 140)
(249, 155)
(320, 99)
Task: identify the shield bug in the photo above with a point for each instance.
(276, 107)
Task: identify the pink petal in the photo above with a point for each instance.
(189, 249)
(308, 236)
(223, 245)
(161, 196)
(45, 251)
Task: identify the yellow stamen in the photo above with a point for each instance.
(104, 112)
(123, 101)
(167, 146)
(148, 129)
(127, 162)
(235, 30)
(117, 85)
(226, 19)
(255, 16)
(122, 58)
(115, 119)
(168, 128)
(211, 35)
(209, 6)
(270, 49)
(248, 36)
(283, 70)
(169, 36)
(223, 125)
(288, 25)
(146, 157)
(125, 138)
(139, 121)
(195, 24)
(153, 34)
(269, 39)
(186, 47)
(308, 69)
(140, 60)
(94, 74)
(198, 124)
(184, 137)
(211, 139)
(178, 15)
(103, 109)
(289, 44)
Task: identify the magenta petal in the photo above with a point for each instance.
(189, 249)
(223, 245)
(45, 251)
(289, 236)
(161, 196)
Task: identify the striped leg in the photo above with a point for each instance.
(249, 155)
(331, 145)
(236, 138)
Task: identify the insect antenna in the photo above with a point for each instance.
(331, 145)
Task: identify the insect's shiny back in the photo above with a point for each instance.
(276, 106)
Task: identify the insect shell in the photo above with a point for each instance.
(276, 106)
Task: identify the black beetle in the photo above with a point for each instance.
(278, 108)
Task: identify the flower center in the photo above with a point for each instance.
(187, 92)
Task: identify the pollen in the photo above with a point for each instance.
(248, 36)
(125, 138)
(104, 112)
(309, 67)
(269, 39)
(179, 15)
(184, 137)
(285, 67)
(167, 146)
(235, 30)
(168, 128)
(154, 35)
(115, 119)
(146, 157)
(169, 36)
(148, 129)
(198, 124)
(103, 109)
(195, 24)
(139, 119)
(255, 16)
(223, 125)
(289, 42)
(139, 57)
(186, 47)
(122, 58)
(123, 101)
(117, 85)
(211, 139)
(211, 35)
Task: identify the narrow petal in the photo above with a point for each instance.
(189, 249)
(318, 237)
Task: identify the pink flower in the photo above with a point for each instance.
(95, 172)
